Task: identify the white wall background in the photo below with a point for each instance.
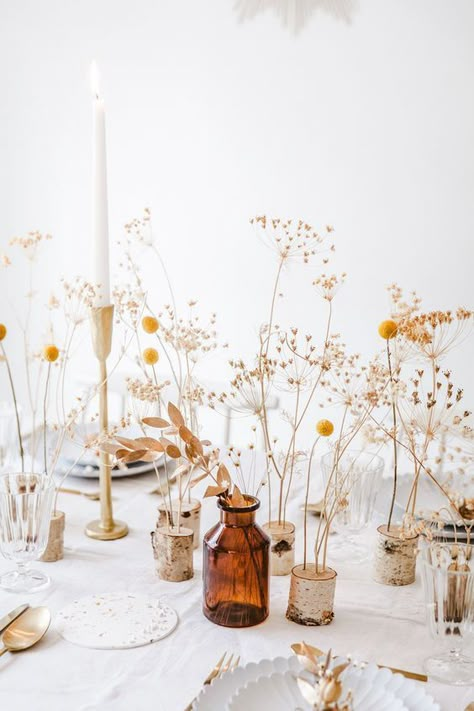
(367, 125)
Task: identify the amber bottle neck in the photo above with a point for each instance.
(233, 518)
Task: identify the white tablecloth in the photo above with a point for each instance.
(372, 621)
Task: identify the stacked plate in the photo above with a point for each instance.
(87, 466)
(272, 684)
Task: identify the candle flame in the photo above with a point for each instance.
(95, 84)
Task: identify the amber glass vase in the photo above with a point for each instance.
(236, 568)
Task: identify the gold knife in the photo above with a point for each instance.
(8, 619)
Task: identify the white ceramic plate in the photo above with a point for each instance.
(373, 689)
(92, 472)
(216, 696)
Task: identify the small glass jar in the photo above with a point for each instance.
(236, 568)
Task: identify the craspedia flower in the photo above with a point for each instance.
(50, 353)
(150, 324)
(388, 329)
(151, 356)
(325, 428)
(3, 331)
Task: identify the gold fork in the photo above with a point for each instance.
(217, 671)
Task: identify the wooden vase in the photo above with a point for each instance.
(190, 517)
(54, 550)
(282, 547)
(394, 557)
(173, 553)
(311, 598)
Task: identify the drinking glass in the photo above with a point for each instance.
(448, 583)
(352, 481)
(25, 513)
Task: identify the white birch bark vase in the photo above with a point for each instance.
(190, 517)
(282, 546)
(311, 598)
(173, 553)
(394, 557)
(55, 547)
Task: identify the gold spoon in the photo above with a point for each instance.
(92, 495)
(26, 630)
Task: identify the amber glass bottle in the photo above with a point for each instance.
(236, 568)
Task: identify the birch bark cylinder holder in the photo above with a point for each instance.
(394, 557)
(282, 546)
(173, 553)
(311, 598)
(190, 517)
(54, 550)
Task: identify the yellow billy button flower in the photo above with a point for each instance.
(3, 331)
(325, 428)
(50, 353)
(388, 329)
(150, 324)
(151, 356)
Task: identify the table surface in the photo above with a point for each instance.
(372, 621)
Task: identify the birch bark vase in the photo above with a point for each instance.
(55, 548)
(282, 546)
(311, 598)
(173, 553)
(394, 557)
(190, 517)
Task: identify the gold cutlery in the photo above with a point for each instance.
(8, 619)
(217, 671)
(92, 495)
(26, 630)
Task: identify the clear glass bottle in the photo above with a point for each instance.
(236, 568)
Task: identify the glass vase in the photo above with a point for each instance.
(25, 512)
(352, 481)
(448, 583)
(236, 568)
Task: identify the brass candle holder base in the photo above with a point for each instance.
(105, 528)
(95, 529)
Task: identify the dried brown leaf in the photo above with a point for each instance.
(198, 479)
(223, 476)
(129, 443)
(214, 491)
(237, 499)
(157, 422)
(150, 443)
(109, 447)
(173, 451)
(136, 456)
(175, 416)
(185, 434)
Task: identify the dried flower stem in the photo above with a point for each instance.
(395, 453)
(15, 404)
(305, 524)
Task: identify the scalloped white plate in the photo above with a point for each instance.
(216, 696)
(372, 688)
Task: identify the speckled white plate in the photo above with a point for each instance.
(115, 621)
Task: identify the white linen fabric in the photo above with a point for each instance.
(372, 622)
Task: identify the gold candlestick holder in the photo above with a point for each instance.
(105, 528)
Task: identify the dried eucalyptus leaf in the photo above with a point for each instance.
(223, 476)
(175, 416)
(136, 456)
(185, 434)
(214, 491)
(157, 422)
(173, 451)
(151, 443)
(129, 443)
